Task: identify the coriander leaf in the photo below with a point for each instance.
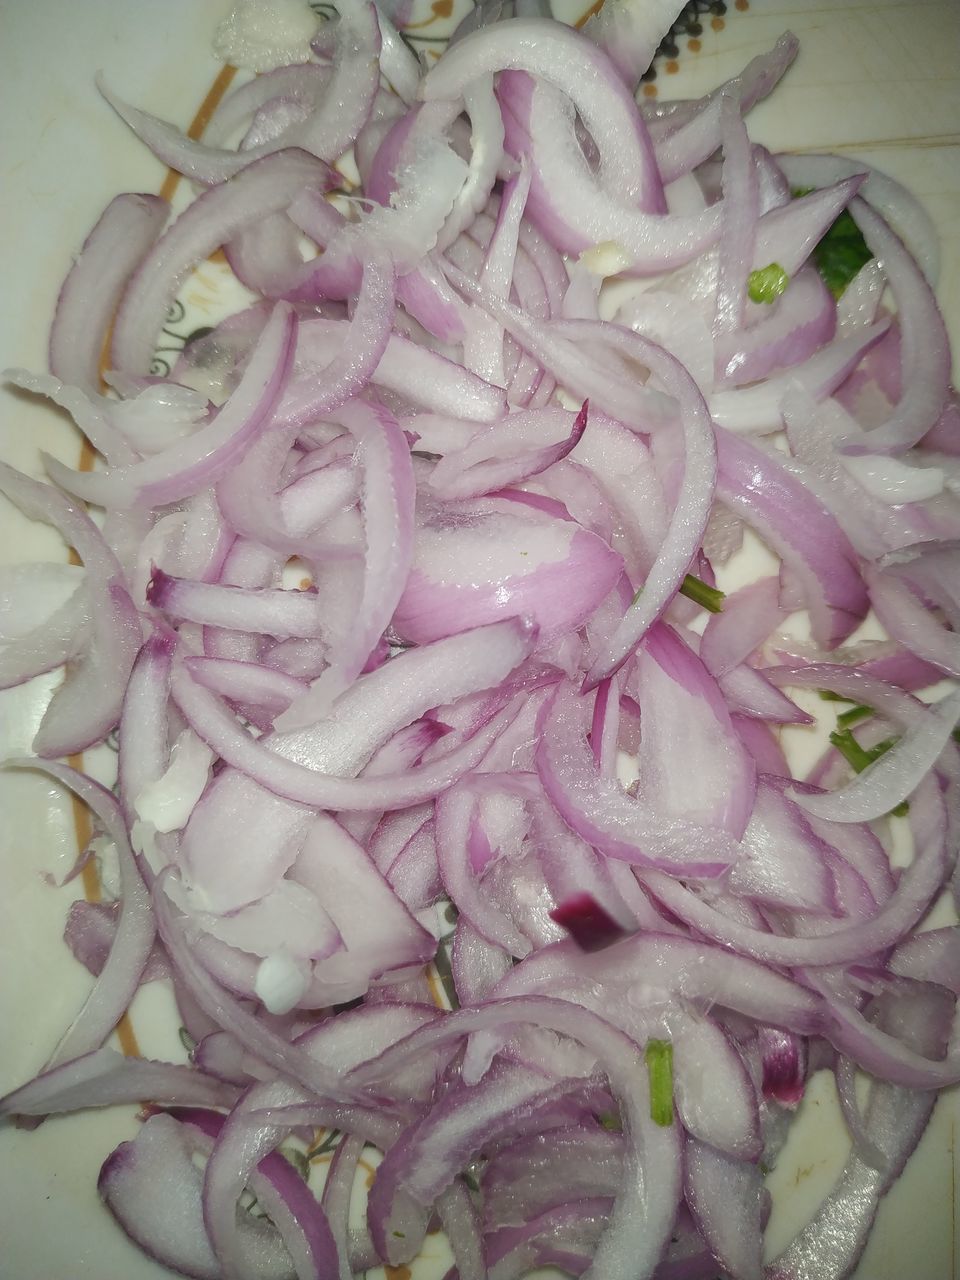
(841, 253)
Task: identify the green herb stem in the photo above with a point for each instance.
(709, 598)
(767, 283)
(858, 757)
(659, 1059)
(846, 719)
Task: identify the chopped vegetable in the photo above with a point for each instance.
(841, 253)
(658, 1056)
(766, 284)
(700, 593)
(436, 802)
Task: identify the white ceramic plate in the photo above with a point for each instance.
(877, 80)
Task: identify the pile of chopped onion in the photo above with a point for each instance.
(404, 606)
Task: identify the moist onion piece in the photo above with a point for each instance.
(482, 701)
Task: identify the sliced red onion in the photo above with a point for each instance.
(380, 937)
(865, 1147)
(199, 460)
(784, 863)
(492, 564)
(642, 1216)
(105, 1077)
(689, 518)
(89, 411)
(234, 114)
(908, 904)
(630, 37)
(893, 202)
(748, 617)
(144, 728)
(909, 622)
(132, 943)
(73, 721)
(248, 494)
(247, 683)
(486, 159)
(568, 202)
(562, 57)
(802, 321)
(463, 853)
(61, 637)
(758, 408)
(664, 967)
(715, 1097)
(170, 1229)
(340, 108)
(741, 209)
(231, 1014)
(728, 1202)
(600, 381)
(893, 481)
(784, 1064)
(831, 1244)
(788, 234)
(800, 530)
(387, 497)
(31, 594)
(477, 964)
(587, 922)
(211, 165)
(398, 62)
(274, 612)
(265, 187)
(337, 1193)
(683, 144)
(930, 956)
(124, 233)
(289, 921)
(89, 933)
(461, 1224)
(325, 797)
(600, 812)
(481, 467)
(749, 693)
(429, 1155)
(873, 525)
(689, 757)
(240, 819)
(239, 1158)
(428, 298)
(483, 348)
(420, 375)
(889, 780)
(926, 344)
